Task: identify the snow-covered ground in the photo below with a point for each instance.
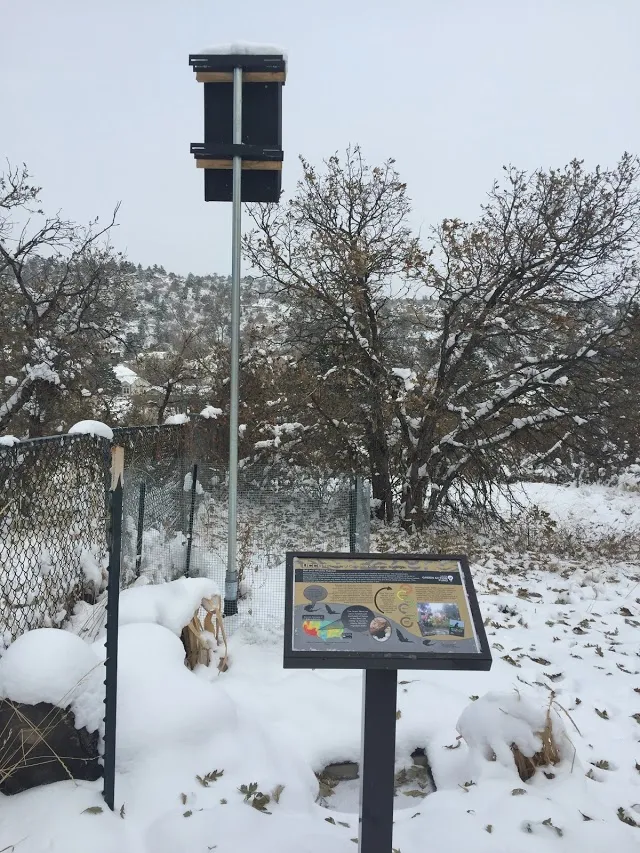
(595, 511)
(565, 639)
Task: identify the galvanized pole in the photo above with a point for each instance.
(231, 580)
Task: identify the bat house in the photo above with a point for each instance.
(263, 77)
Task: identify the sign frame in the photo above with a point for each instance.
(394, 660)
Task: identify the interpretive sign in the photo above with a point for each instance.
(381, 613)
(384, 611)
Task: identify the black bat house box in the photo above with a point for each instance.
(263, 77)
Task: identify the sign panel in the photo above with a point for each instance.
(391, 611)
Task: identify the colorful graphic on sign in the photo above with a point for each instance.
(381, 605)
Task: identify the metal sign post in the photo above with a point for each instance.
(378, 760)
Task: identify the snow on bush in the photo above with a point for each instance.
(406, 375)
(497, 723)
(95, 428)
(174, 724)
(23, 583)
(163, 555)
(49, 665)
(176, 420)
(628, 479)
(171, 605)
(8, 440)
(91, 569)
(188, 483)
(210, 412)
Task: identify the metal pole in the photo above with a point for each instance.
(231, 580)
(377, 768)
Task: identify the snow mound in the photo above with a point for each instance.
(171, 605)
(54, 666)
(96, 428)
(491, 724)
(8, 440)
(176, 420)
(210, 412)
(161, 703)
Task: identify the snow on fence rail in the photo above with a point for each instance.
(54, 521)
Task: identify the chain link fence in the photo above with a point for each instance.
(54, 522)
(52, 529)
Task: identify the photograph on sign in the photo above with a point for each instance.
(346, 604)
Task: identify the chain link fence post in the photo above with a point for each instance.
(139, 537)
(192, 509)
(353, 515)
(111, 644)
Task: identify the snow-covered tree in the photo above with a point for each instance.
(337, 253)
(532, 303)
(506, 357)
(182, 376)
(62, 294)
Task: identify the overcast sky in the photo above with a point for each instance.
(99, 100)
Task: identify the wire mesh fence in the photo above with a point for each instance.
(279, 510)
(154, 523)
(54, 521)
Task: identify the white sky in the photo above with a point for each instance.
(99, 100)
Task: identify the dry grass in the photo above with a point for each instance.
(195, 635)
(196, 648)
(18, 743)
(548, 756)
(533, 532)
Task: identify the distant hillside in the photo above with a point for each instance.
(165, 305)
